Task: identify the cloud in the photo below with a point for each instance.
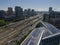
(41, 9)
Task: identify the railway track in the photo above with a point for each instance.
(5, 28)
(13, 30)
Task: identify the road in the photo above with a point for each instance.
(50, 27)
(12, 30)
(34, 37)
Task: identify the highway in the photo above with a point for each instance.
(50, 27)
(10, 31)
(51, 36)
(34, 37)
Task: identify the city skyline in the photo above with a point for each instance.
(38, 5)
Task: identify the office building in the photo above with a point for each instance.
(2, 14)
(18, 11)
(10, 11)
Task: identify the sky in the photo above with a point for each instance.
(38, 5)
